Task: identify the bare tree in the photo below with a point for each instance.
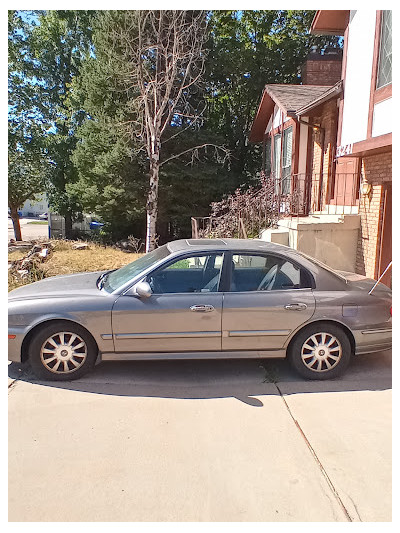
(165, 51)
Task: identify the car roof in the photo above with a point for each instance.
(229, 244)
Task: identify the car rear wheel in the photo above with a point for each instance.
(320, 351)
(62, 351)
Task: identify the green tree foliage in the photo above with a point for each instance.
(111, 175)
(164, 52)
(27, 160)
(27, 170)
(113, 166)
(71, 108)
(249, 49)
(54, 45)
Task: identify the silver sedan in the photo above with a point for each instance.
(201, 298)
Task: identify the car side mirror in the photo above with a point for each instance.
(143, 289)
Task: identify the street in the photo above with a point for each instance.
(29, 231)
(230, 441)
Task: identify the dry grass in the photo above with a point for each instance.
(14, 256)
(65, 260)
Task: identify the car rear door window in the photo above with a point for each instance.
(266, 273)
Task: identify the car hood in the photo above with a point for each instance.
(69, 286)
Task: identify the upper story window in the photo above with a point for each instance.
(384, 76)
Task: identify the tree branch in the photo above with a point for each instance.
(218, 148)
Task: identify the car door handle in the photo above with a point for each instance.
(202, 308)
(296, 307)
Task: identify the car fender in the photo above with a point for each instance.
(314, 320)
(102, 338)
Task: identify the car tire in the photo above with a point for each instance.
(62, 351)
(320, 351)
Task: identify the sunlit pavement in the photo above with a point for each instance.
(29, 231)
(241, 440)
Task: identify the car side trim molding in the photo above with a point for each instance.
(373, 331)
(168, 335)
(259, 333)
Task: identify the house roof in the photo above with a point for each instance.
(331, 92)
(289, 98)
(329, 22)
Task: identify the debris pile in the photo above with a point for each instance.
(29, 266)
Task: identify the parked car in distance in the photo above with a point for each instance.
(201, 298)
(19, 213)
(44, 216)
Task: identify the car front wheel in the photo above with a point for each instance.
(320, 352)
(62, 351)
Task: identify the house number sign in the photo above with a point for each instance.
(345, 149)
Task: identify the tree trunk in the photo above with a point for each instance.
(16, 224)
(152, 207)
(68, 226)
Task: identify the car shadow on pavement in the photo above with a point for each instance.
(244, 379)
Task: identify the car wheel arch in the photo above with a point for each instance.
(37, 327)
(327, 321)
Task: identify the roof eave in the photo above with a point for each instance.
(264, 112)
(329, 22)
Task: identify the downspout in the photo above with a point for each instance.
(321, 175)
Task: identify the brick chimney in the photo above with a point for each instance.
(322, 69)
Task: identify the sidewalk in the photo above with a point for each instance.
(202, 441)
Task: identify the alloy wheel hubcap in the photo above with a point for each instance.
(63, 353)
(321, 352)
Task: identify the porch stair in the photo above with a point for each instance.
(330, 238)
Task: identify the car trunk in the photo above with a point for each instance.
(362, 282)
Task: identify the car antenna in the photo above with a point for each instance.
(381, 276)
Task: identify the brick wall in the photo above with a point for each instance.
(375, 170)
(319, 72)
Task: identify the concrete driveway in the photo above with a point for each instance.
(198, 441)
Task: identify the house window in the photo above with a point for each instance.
(287, 160)
(384, 76)
(277, 160)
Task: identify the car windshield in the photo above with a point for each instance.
(116, 279)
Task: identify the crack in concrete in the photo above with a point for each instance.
(355, 507)
(314, 454)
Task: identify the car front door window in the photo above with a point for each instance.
(191, 274)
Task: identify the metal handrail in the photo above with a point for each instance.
(306, 193)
